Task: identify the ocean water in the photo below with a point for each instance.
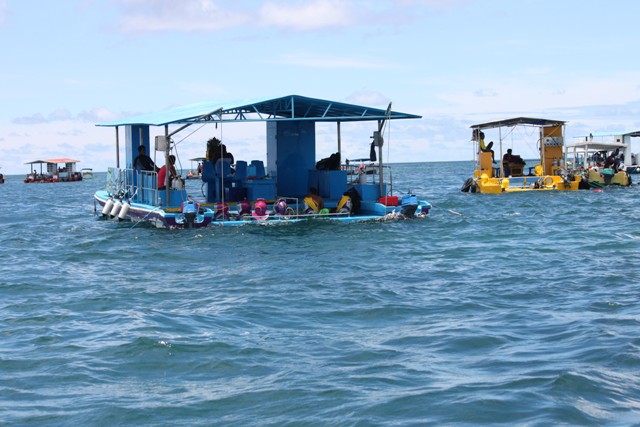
(520, 309)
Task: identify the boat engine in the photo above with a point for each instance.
(409, 205)
(190, 210)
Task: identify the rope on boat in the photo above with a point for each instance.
(188, 135)
(451, 211)
(145, 217)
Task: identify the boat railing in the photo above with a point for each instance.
(139, 186)
(369, 174)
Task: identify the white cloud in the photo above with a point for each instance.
(95, 115)
(318, 60)
(541, 94)
(310, 15)
(481, 93)
(368, 98)
(3, 11)
(184, 15)
(141, 16)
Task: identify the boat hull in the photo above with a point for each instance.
(597, 179)
(155, 215)
(174, 218)
(520, 184)
(633, 169)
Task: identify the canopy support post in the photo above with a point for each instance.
(117, 148)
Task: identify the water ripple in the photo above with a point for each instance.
(495, 310)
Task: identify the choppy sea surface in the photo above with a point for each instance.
(519, 309)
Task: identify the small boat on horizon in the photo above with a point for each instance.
(87, 173)
(196, 172)
(53, 172)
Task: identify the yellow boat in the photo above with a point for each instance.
(509, 173)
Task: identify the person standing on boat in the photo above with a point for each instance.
(143, 161)
(162, 173)
(612, 162)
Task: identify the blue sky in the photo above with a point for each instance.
(70, 64)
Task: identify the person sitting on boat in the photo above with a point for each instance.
(143, 161)
(619, 156)
(487, 148)
(228, 157)
(509, 160)
(314, 203)
(610, 160)
(162, 173)
(226, 154)
(213, 150)
(509, 157)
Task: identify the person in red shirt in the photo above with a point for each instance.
(162, 173)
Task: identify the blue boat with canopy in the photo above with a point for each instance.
(284, 188)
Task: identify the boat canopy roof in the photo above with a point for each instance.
(60, 160)
(291, 107)
(518, 121)
(595, 145)
(605, 134)
(198, 159)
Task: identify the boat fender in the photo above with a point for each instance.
(124, 210)
(178, 184)
(467, 185)
(107, 207)
(504, 184)
(116, 208)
